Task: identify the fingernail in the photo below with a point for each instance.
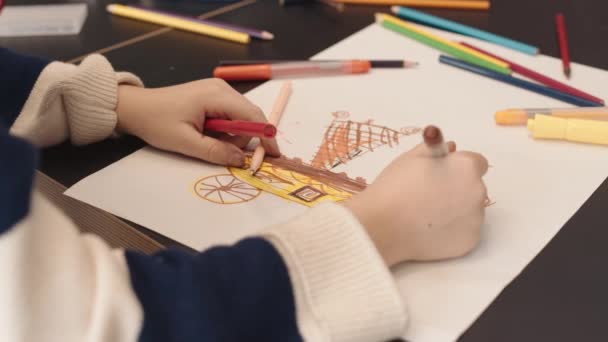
(237, 159)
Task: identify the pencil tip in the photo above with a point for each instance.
(409, 64)
(567, 72)
(267, 35)
(395, 9)
(379, 17)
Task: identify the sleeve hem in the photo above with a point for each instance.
(343, 290)
(76, 102)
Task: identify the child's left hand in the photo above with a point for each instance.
(172, 119)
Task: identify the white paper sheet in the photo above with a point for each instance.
(42, 20)
(537, 185)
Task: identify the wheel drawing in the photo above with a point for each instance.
(225, 189)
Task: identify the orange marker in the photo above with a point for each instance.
(521, 116)
(262, 72)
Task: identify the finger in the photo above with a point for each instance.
(480, 163)
(209, 149)
(484, 195)
(231, 104)
(432, 136)
(451, 146)
(238, 141)
(271, 147)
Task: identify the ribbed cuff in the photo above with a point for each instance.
(76, 102)
(343, 290)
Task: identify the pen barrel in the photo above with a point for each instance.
(576, 130)
(242, 128)
(260, 72)
(599, 116)
(320, 68)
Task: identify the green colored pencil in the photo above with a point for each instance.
(444, 47)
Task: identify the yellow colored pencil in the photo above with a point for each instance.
(460, 4)
(177, 23)
(408, 26)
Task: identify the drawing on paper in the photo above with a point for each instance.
(225, 189)
(345, 140)
(300, 182)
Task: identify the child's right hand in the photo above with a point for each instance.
(425, 208)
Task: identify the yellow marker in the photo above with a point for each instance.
(521, 116)
(177, 23)
(577, 130)
(406, 25)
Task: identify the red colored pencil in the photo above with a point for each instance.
(243, 128)
(560, 25)
(1, 5)
(531, 74)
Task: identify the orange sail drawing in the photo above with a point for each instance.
(345, 140)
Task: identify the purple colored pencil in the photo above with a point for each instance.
(255, 33)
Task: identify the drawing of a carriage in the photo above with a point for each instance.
(306, 184)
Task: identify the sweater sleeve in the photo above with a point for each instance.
(72, 102)
(18, 74)
(314, 278)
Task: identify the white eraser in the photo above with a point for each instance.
(42, 20)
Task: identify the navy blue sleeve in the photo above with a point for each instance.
(17, 163)
(227, 294)
(18, 74)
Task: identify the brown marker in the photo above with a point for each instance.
(434, 140)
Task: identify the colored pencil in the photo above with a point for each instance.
(1, 5)
(562, 38)
(275, 117)
(292, 2)
(521, 116)
(255, 33)
(537, 88)
(177, 23)
(531, 74)
(453, 26)
(374, 63)
(441, 44)
(242, 128)
(455, 4)
(338, 6)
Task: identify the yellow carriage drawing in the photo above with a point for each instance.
(306, 184)
(290, 179)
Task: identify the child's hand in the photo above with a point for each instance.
(172, 119)
(425, 208)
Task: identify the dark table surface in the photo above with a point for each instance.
(562, 295)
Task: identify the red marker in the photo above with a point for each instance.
(560, 25)
(242, 128)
